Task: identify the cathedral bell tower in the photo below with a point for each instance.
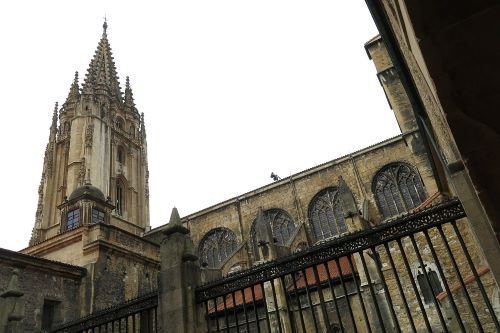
(97, 144)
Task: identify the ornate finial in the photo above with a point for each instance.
(127, 82)
(174, 217)
(75, 81)
(105, 25)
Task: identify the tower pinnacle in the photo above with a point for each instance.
(129, 96)
(104, 25)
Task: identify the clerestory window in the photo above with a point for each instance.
(216, 246)
(398, 188)
(326, 216)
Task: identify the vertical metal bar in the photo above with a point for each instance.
(321, 297)
(386, 289)
(265, 307)
(415, 289)
(334, 297)
(216, 315)
(339, 270)
(156, 319)
(360, 296)
(133, 323)
(459, 276)
(400, 287)
(302, 323)
(226, 318)
(276, 308)
(476, 276)
(288, 305)
(445, 281)
(311, 305)
(235, 313)
(207, 313)
(372, 291)
(120, 325)
(434, 300)
(245, 309)
(255, 309)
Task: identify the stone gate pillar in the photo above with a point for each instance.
(179, 276)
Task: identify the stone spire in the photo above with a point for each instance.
(101, 77)
(74, 92)
(129, 96)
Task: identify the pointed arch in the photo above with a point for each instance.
(216, 246)
(397, 188)
(120, 196)
(326, 217)
(120, 123)
(120, 154)
(282, 227)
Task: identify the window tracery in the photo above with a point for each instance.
(282, 226)
(325, 215)
(216, 246)
(398, 188)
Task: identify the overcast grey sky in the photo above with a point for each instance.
(231, 91)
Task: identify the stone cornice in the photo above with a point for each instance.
(21, 260)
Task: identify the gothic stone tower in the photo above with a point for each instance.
(100, 140)
(93, 197)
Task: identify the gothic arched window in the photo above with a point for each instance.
(216, 246)
(282, 227)
(325, 215)
(119, 198)
(398, 188)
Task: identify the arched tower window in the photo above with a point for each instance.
(282, 226)
(120, 154)
(216, 246)
(397, 188)
(119, 198)
(325, 215)
(120, 123)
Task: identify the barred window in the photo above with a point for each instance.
(398, 188)
(73, 220)
(216, 246)
(429, 288)
(282, 226)
(97, 216)
(325, 215)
